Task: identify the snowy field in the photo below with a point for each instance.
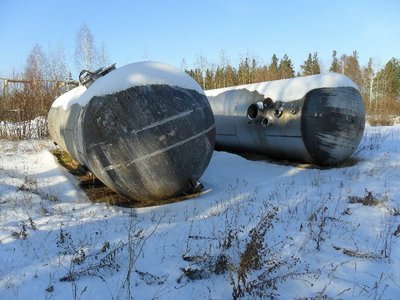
(259, 229)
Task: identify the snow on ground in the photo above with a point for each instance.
(34, 129)
(259, 229)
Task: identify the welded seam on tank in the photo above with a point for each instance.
(155, 124)
(112, 167)
(268, 135)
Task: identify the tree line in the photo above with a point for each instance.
(45, 73)
(45, 76)
(379, 86)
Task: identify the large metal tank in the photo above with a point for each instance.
(146, 130)
(316, 119)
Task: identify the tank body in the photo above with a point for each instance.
(316, 119)
(146, 130)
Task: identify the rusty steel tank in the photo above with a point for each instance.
(316, 119)
(146, 130)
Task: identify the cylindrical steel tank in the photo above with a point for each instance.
(316, 119)
(146, 130)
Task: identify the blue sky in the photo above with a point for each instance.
(170, 31)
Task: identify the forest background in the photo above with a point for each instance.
(28, 94)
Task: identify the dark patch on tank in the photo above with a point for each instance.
(148, 142)
(326, 131)
(332, 125)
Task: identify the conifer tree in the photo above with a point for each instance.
(273, 68)
(231, 76)
(244, 71)
(197, 75)
(285, 68)
(261, 74)
(311, 65)
(307, 66)
(253, 69)
(219, 77)
(209, 79)
(315, 66)
(388, 90)
(389, 77)
(335, 66)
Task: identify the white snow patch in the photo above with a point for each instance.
(33, 129)
(292, 88)
(69, 98)
(135, 74)
(48, 230)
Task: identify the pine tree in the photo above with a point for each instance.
(285, 68)
(219, 77)
(253, 69)
(197, 75)
(307, 66)
(389, 78)
(261, 74)
(273, 72)
(335, 66)
(209, 79)
(392, 73)
(388, 90)
(244, 71)
(231, 76)
(315, 66)
(311, 65)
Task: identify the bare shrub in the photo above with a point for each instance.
(99, 262)
(385, 111)
(368, 200)
(371, 142)
(22, 234)
(25, 114)
(254, 263)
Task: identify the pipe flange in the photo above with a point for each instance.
(252, 111)
(266, 122)
(278, 112)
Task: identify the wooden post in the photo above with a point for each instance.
(5, 88)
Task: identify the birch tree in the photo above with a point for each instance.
(85, 50)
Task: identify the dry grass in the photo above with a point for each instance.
(368, 200)
(380, 120)
(97, 192)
